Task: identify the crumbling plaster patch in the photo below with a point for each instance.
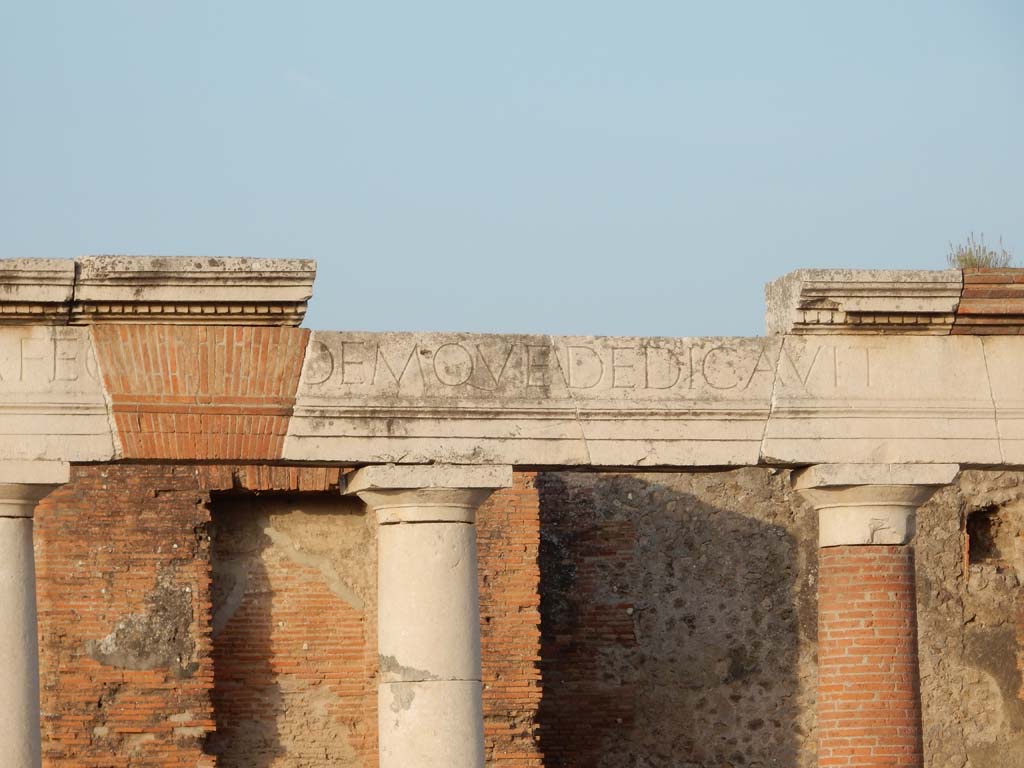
(158, 637)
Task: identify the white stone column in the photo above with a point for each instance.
(22, 484)
(430, 708)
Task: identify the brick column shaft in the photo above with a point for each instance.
(869, 706)
(869, 702)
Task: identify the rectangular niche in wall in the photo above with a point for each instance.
(992, 535)
(293, 592)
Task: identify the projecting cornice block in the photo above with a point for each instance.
(192, 290)
(863, 301)
(156, 290)
(36, 291)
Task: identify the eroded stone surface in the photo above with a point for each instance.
(871, 301)
(192, 290)
(678, 620)
(532, 399)
(52, 402)
(604, 402)
(898, 399)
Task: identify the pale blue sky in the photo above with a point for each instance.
(566, 167)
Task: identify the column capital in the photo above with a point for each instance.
(415, 476)
(24, 483)
(865, 504)
(424, 493)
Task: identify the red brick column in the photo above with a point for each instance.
(869, 701)
(869, 705)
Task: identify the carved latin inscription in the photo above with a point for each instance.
(532, 367)
(537, 367)
(537, 400)
(52, 404)
(42, 356)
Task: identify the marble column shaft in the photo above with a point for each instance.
(430, 693)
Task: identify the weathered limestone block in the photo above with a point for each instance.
(1004, 358)
(466, 398)
(899, 399)
(52, 402)
(873, 301)
(225, 291)
(36, 290)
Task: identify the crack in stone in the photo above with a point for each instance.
(389, 665)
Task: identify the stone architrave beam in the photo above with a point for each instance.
(652, 402)
(53, 405)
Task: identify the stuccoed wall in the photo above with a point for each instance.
(679, 623)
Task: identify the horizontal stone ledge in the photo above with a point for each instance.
(155, 289)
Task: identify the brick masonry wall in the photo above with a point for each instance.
(869, 711)
(992, 303)
(294, 632)
(508, 536)
(125, 655)
(200, 392)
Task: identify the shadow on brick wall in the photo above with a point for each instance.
(246, 695)
(671, 622)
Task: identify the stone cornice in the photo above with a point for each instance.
(36, 291)
(868, 301)
(158, 290)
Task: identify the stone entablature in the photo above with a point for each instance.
(184, 392)
(617, 402)
(155, 289)
(187, 392)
